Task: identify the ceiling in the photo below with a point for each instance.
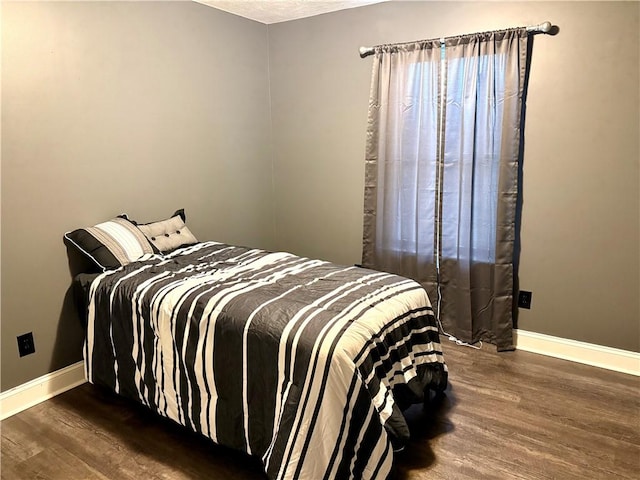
(275, 11)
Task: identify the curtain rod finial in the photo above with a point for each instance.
(365, 51)
(545, 27)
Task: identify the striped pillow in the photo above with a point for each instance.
(111, 244)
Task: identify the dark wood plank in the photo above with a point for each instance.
(521, 415)
(118, 439)
(512, 415)
(19, 441)
(54, 462)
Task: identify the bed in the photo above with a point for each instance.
(302, 363)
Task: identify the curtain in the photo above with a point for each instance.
(441, 174)
(402, 148)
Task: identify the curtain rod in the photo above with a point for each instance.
(544, 27)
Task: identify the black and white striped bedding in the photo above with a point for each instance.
(293, 360)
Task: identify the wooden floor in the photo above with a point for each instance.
(507, 415)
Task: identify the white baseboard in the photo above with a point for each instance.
(581, 352)
(43, 388)
(40, 389)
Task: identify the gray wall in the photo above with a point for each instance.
(146, 107)
(121, 106)
(580, 220)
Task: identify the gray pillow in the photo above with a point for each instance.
(169, 234)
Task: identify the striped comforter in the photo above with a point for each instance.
(296, 361)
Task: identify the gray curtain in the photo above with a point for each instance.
(441, 185)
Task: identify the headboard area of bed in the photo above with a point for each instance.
(121, 240)
(118, 242)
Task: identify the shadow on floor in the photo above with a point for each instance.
(426, 423)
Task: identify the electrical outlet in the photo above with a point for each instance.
(524, 299)
(26, 345)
